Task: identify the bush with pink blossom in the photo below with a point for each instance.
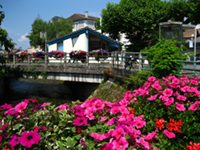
(162, 114)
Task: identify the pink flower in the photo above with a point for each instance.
(169, 102)
(97, 136)
(37, 129)
(176, 81)
(152, 78)
(153, 97)
(107, 146)
(79, 121)
(180, 107)
(46, 103)
(21, 106)
(150, 136)
(156, 86)
(169, 134)
(63, 106)
(79, 111)
(193, 107)
(118, 132)
(167, 92)
(120, 144)
(181, 98)
(143, 143)
(6, 106)
(14, 141)
(28, 139)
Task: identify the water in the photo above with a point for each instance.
(58, 92)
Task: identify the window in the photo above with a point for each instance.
(60, 46)
(76, 25)
(74, 40)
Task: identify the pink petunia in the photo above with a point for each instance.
(169, 134)
(153, 97)
(118, 132)
(120, 144)
(107, 146)
(6, 106)
(97, 136)
(176, 81)
(30, 138)
(79, 111)
(180, 107)
(79, 121)
(156, 86)
(21, 106)
(167, 92)
(169, 102)
(181, 98)
(63, 106)
(152, 78)
(193, 107)
(143, 143)
(14, 141)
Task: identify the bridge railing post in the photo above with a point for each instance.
(87, 59)
(65, 59)
(14, 62)
(122, 59)
(46, 60)
(29, 62)
(112, 59)
(140, 61)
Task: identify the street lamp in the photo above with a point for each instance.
(43, 35)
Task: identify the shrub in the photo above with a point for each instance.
(163, 57)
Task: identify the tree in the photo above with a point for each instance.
(139, 19)
(59, 28)
(4, 39)
(194, 12)
(54, 30)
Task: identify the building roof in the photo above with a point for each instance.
(85, 30)
(189, 32)
(77, 17)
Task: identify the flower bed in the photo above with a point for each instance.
(99, 54)
(78, 55)
(10, 56)
(162, 114)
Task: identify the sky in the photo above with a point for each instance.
(20, 14)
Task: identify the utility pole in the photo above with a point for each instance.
(43, 35)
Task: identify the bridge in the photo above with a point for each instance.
(66, 69)
(90, 70)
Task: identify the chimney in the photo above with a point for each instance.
(86, 14)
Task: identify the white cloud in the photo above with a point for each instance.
(23, 38)
(198, 26)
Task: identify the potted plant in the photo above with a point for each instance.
(99, 54)
(78, 55)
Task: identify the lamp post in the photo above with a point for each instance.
(43, 35)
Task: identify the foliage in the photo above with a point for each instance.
(54, 30)
(59, 28)
(137, 81)
(194, 11)
(167, 98)
(5, 40)
(163, 57)
(2, 64)
(139, 20)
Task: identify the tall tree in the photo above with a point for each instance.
(4, 39)
(59, 28)
(194, 12)
(54, 30)
(139, 19)
(34, 37)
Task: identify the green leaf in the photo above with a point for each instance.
(63, 111)
(17, 126)
(70, 142)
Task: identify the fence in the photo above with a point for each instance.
(121, 60)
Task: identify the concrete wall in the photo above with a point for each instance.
(52, 47)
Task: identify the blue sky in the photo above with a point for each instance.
(20, 14)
